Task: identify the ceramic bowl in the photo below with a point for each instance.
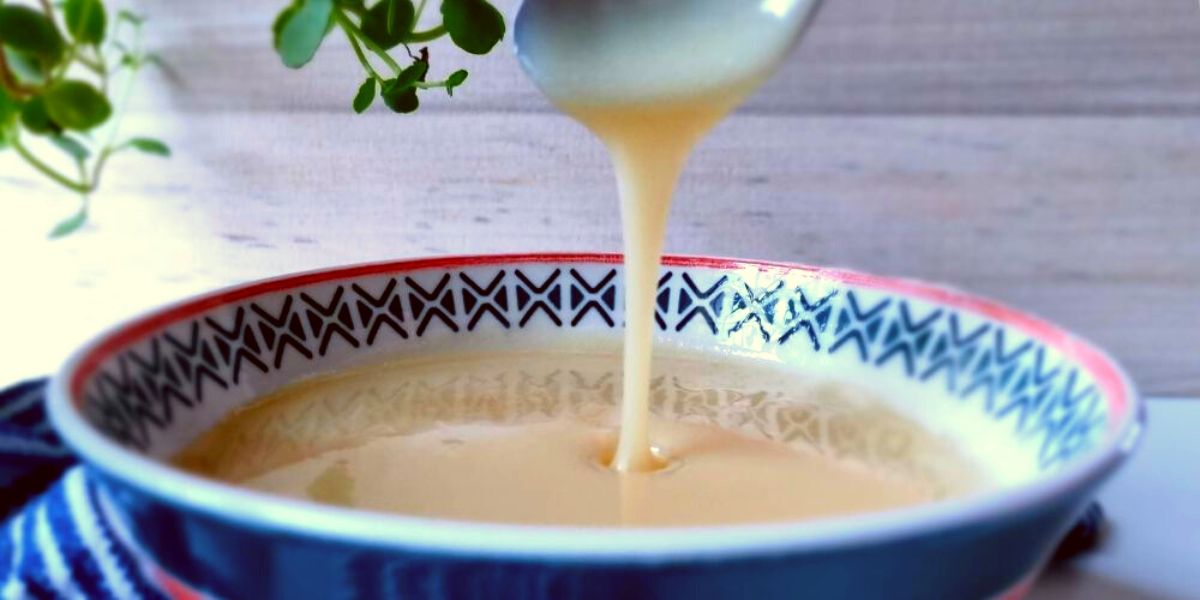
(1046, 414)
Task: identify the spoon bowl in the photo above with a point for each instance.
(652, 50)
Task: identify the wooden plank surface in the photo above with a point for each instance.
(861, 56)
(1043, 152)
(1091, 222)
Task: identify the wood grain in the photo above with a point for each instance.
(861, 56)
(1043, 152)
(1089, 221)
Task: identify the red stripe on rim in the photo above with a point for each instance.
(1105, 373)
(174, 587)
(1021, 589)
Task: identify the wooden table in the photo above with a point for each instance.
(1042, 152)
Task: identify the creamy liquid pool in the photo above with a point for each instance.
(650, 78)
(571, 439)
(525, 438)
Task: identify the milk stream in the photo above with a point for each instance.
(650, 78)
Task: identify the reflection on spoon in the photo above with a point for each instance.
(618, 51)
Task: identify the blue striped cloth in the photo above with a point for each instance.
(54, 542)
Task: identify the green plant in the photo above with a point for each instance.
(473, 25)
(57, 65)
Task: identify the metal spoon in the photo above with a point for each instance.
(645, 50)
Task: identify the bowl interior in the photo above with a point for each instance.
(1024, 398)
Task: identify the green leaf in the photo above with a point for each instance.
(454, 80)
(86, 20)
(388, 22)
(150, 146)
(474, 25)
(77, 151)
(130, 17)
(400, 98)
(365, 95)
(70, 225)
(27, 67)
(411, 74)
(9, 110)
(35, 118)
(281, 19)
(400, 94)
(28, 30)
(301, 30)
(76, 105)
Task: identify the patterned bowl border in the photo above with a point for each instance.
(1125, 419)
(1114, 386)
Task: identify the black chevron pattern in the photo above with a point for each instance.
(146, 387)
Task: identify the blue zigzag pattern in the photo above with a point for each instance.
(1012, 378)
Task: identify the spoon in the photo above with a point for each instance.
(604, 51)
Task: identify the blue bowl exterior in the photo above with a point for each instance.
(977, 557)
(231, 560)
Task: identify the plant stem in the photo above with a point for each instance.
(417, 13)
(119, 112)
(418, 37)
(345, 22)
(85, 197)
(66, 63)
(362, 58)
(92, 64)
(46, 169)
(98, 168)
(109, 148)
(102, 69)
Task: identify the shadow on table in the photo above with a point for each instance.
(1068, 582)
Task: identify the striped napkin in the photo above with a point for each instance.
(55, 541)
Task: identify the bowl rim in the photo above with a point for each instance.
(262, 511)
